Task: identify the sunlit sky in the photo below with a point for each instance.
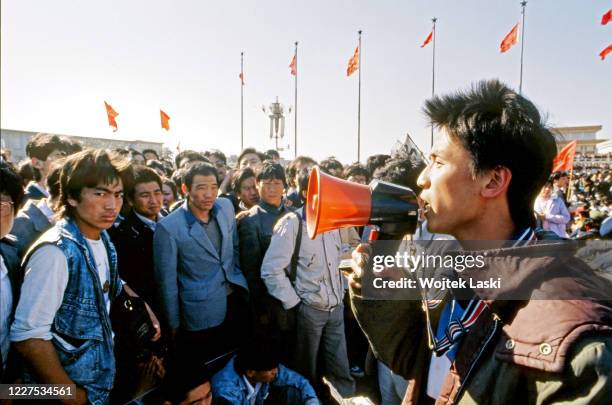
(61, 59)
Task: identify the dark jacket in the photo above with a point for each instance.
(545, 348)
(8, 251)
(255, 232)
(29, 224)
(133, 241)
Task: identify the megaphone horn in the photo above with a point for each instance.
(334, 203)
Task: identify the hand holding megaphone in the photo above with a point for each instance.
(361, 256)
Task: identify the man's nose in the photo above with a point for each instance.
(423, 180)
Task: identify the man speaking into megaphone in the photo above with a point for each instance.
(492, 156)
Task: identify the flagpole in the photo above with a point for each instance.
(523, 4)
(295, 117)
(433, 73)
(359, 104)
(241, 101)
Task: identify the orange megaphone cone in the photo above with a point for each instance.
(333, 203)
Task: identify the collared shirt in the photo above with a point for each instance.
(252, 391)
(43, 206)
(151, 224)
(39, 188)
(212, 230)
(455, 321)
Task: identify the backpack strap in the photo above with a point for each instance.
(296, 250)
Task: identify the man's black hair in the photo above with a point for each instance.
(292, 168)
(403, 172)
(53, 179)
(258, 354)
(499, 127)
(191, 156)
(357, 169)
(87, 169)
(134, 152)
(184, 374)
(239, 176)
(219, 155)
(74, 146)
(11, 184)
(329, 164)
(153, 151)
(156, 165)
(198, 169)
(28, 173)
(303, 178)
(272, 154)
(376, 161)
(143, 174)
(41, 145)
(272, 171)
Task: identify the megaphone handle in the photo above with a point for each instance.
(374, 232)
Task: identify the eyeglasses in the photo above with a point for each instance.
(6, 205)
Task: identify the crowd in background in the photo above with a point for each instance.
(241, 303)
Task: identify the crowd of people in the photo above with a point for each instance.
(139, 277)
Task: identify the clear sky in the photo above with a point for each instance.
(61, 59)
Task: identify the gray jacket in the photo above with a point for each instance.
(318, 281)
(191, 276)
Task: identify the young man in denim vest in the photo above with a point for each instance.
(62, 327)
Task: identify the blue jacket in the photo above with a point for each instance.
(82, 319)
(189, 272)
(230, 385)
(29, 224)
(31, 192)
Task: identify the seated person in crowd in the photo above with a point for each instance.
(255, 376)
(187, 383)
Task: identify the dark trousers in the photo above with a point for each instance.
(213, 346)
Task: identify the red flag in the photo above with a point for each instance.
(565, 158)
(509, 40)
(165, 120)
(353, 63)
(293, 66)
(241, 76)
(428, 39)
(606, 51)
(112, 114)
(607, 17)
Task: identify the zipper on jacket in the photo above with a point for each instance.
(475, 362)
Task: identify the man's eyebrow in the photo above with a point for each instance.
(108, 190)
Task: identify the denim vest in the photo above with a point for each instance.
(82, 321)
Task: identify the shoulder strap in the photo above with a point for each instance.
(296, 250)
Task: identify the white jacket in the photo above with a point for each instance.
(318, 281)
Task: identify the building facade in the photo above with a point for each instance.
(16, 141)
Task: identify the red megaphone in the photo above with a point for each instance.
(334, 203)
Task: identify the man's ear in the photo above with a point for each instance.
(184, 188)
(497, 182)
(249, 373)
(37, 163)
(72, 202)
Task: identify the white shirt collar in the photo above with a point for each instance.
(151, 224)
(252, 391)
